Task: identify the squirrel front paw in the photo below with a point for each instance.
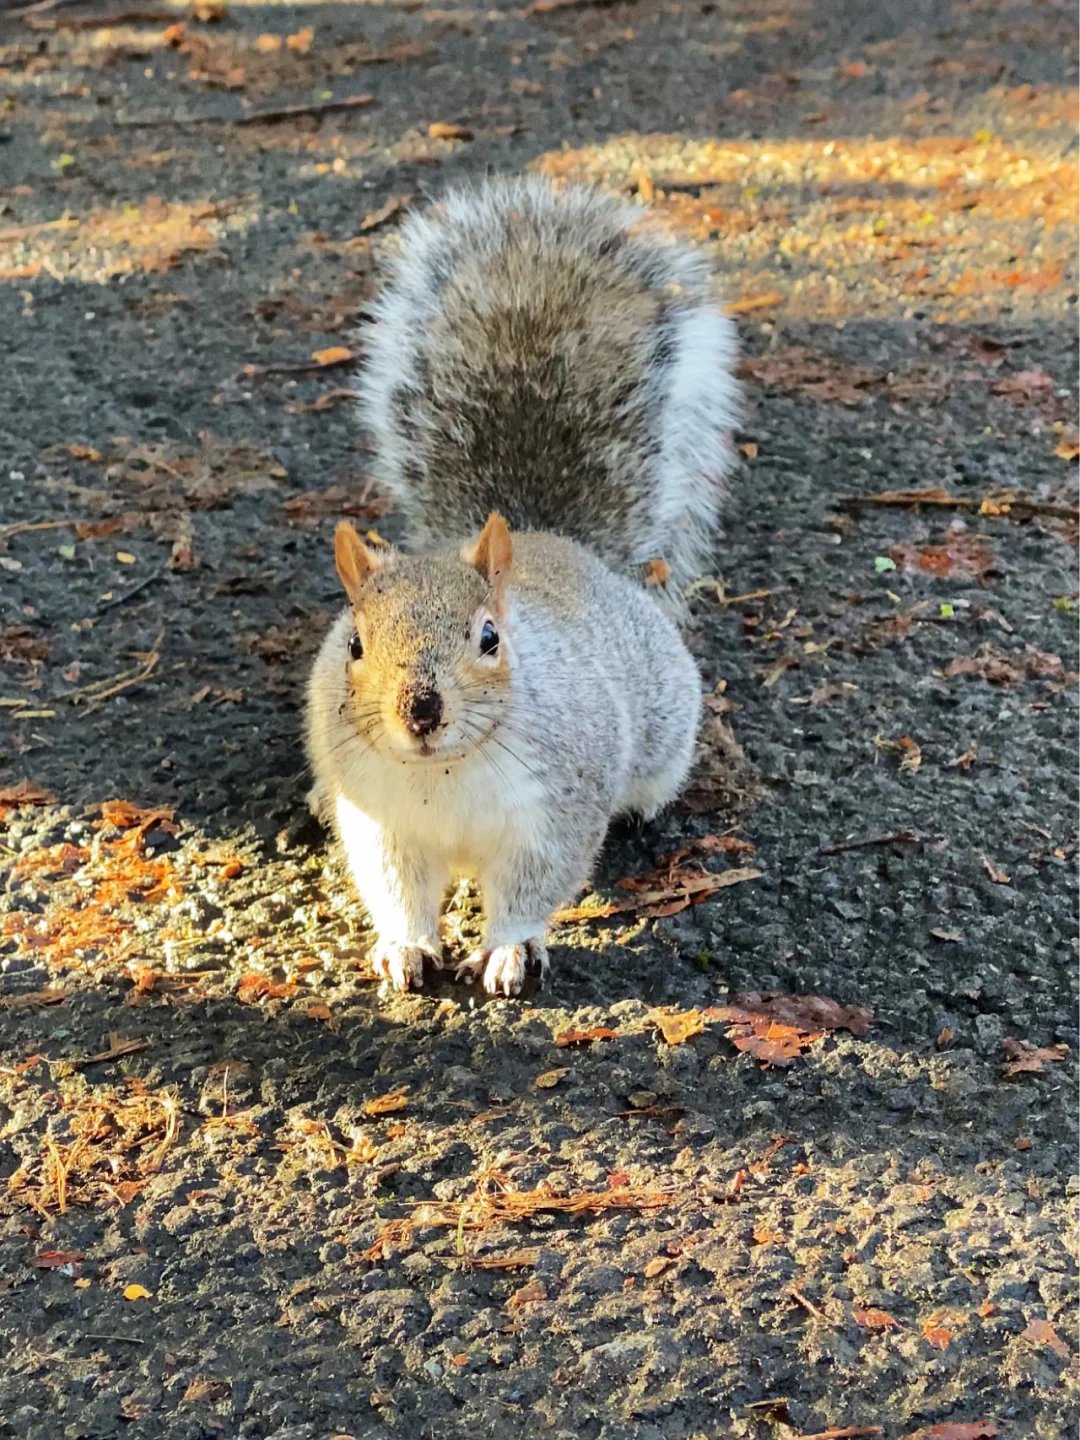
(504, 968)
(403, 965)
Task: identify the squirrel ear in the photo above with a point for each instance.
(492, 553)
(354, 560)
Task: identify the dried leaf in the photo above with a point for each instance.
(808, 1012)
(936, 1334)
(960, 555)
(334, 355)
(764, 1235)
(1026, 1058)
(875, 1320)
(441, 130)
(527, 1294)
(395, 206)
(958, 1430)
(584, 1037)
(253, 987)
(25, 793)
(549, 1079)
(203, 1388)
(385, 1104)
(998, 668)
(999, 877)
(688, 890)
(318, 1010)
(657, 572)
(57, 1259)
(33, 999)
(747, 306)
(677, 1026)
(1041, 1332)
(1025, 386)
(136, 1292)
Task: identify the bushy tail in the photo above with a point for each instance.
(550, 354)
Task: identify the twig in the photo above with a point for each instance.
(100, 690)
(23, 527)
(301, 367)
(896, 837)
(944, 500)
(809, 1305)
(254, 117)
(849, 1432)
(127, 1339)
(117, 17)
(549, 7)
(129, 594)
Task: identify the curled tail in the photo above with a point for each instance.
(550, 355)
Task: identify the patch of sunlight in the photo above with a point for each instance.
(148, 237)
(866, 226)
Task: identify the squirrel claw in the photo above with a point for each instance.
(504, 968)
(403, 965)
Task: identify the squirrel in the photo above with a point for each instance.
(550, 394)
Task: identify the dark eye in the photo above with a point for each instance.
(489, 639)
(356, 650)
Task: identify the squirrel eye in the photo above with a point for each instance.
(489, 639)
(356, 650)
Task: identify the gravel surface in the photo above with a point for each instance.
(249, 1195)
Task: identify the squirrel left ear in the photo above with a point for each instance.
(354, 560)
(492, 553)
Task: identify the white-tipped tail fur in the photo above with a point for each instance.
(556, 356)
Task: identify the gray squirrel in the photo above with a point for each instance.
(550, 392)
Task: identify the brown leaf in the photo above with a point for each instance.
(1024, 386)
(657, 572)
(318, 1010)
(961, 555)
(253, 987)
(203, 1388)
(1026, 1058)
(999, 877)
(441, 130)
(584, 1037)
(875, 1320)
(688, 890)
(998, 668)
(747, 306)
(798, 370)
(549, 1079)
(24, 793)
(1041, 1332)
(126, 816)
(395, 206)
(333, 355)
(677, 1026)
(357, 502)
(527, 1294)
(385, 1104)
(809, 1012)
(33, 999)
(958, 1430)
(763, 1235)
(55, 1259)
(937, 1335)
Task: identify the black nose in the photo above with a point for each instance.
(425, 713)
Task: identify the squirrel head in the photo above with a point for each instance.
(428, 662)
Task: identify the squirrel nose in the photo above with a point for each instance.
(425, 713)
